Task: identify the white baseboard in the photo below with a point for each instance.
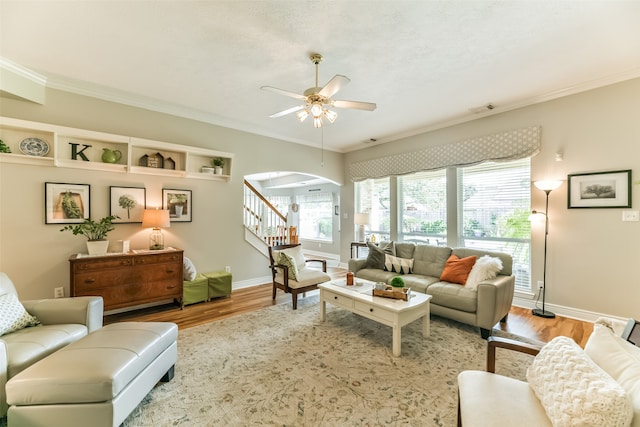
(251, 282)
(570, 312)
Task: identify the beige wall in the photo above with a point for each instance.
(593, 257)
(36, 255)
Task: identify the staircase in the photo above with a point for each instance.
(264, 223)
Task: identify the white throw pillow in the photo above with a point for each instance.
(189, 270)
(297, 255)
(13, 316)
(486, 267)
(574, 391)
(397, 264)
(618, 358)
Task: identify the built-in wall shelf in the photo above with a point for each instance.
(58, 146)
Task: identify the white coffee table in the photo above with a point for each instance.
(391, 312)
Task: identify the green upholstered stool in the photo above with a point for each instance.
(196, 290)
(219, 284)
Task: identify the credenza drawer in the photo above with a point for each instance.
(101, 264)
(371, 310)
(157, 259)
(93, 280)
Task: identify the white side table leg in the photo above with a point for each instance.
(323, 307)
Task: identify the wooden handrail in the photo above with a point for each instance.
(265, 201)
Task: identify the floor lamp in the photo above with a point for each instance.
(547, 187)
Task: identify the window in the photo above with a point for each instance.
(372, 196)
(316, 216)
(494, 202)
(423, 207)
(281, 203)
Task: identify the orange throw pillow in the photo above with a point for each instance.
(457, 270)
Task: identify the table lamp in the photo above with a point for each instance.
(361, 219)
(156, 218)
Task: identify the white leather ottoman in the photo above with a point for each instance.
(96, 381)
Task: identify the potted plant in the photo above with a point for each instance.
(95, 232)
(218, 164)
(397, 282)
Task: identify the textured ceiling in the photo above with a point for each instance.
(425, 63)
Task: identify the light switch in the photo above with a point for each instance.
(630, 215)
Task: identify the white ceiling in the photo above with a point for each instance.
(425, 63)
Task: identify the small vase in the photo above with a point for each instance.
(218, 170)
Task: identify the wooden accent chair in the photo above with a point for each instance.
(307, 278)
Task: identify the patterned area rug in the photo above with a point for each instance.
(282, 367)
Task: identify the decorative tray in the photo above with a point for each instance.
(391, 292)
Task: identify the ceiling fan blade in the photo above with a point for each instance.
(284, 92)
(334, 85)
(355, 105)
(288, 111)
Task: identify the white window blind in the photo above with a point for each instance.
(372, 196)
(495, 202)
(423, 207)
(315, 215)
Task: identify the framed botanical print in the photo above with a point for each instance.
(66, 203)
(600, 190)
(178, 202)
(128, 203)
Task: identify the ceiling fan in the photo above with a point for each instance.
(316, 99)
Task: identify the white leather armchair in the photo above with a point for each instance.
(63, 321)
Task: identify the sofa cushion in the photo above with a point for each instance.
(618, 358)
(418, 282)
(454, 296)
(27, 346)
(13, 316)
(486, 267)
(430, 260)
(375, 275)
(404, 249)
(488, 408)
(306, 277)
(456, 270)
(397, 264)
(375, 258)
(574, 390)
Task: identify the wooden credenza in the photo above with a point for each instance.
(130, 279)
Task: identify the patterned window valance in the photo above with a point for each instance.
(510, 145)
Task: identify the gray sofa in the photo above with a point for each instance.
(482, 307)
(62, 321)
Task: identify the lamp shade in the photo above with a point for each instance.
(547, 185)
(156, 218)
(361, 218)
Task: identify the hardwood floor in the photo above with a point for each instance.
(520, 320)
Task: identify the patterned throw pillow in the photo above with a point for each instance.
(290, 262)
(574, 391)
(13, 316)
(398, 265)
(376, 256)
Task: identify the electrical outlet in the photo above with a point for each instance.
(227, 269)
(58, 292)
(540, 285)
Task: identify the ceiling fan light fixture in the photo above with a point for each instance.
(317, 122)
(330, 115)
(302, 115)
(316, 109)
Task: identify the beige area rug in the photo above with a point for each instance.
(282, 367)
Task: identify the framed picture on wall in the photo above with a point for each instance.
(66, 203)
(600, 190)
(178, 202)
(128, 203)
